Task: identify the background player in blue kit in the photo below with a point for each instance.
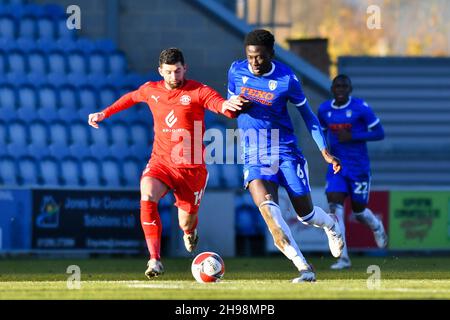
(270, 153)
(350, 123)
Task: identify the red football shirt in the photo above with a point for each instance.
(178, 116)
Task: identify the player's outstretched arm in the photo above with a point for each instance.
(94, 118)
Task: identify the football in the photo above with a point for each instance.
(208, 267)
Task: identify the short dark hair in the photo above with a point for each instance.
(343, 77)
(171, 56)
(260, 37)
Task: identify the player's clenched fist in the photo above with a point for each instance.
(94, 118)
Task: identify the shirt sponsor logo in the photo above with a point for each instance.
(260, 96)
(171, 119)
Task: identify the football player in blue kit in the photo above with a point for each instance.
(270, 152)
(349, 123)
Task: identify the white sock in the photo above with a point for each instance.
(341, 218)
(318, 218)
(368, 218)
(291, 251)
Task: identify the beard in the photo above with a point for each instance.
(176, 84)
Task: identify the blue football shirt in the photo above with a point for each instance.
(266, 122)
(356, 116)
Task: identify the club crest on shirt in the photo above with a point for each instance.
(348, 113)
(273, 84)
(185, 100)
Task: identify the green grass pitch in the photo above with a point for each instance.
(245, 279)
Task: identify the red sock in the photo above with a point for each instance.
(151, 224)
(193, 227)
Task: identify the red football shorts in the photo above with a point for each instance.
(188, 184)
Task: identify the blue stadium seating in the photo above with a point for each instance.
(59, 139)
(50, 172)
(39, 139)
(16, 62)
(18, 138)
(131, 171)
(8, 102)
(27, 103)
(28, 171)
(68, 103)
(97, 63)
(80, 140)
(70, 172)
(77, 62)
(27, 28)
(91, 172)
(8, 171)
(111, 173)
(37, 62)
(3, 138)
(117, 63)
(57, 62)
(48, 103)
(46, 28)
(7, 27)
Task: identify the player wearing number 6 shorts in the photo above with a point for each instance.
(349, 123)
(178, 108)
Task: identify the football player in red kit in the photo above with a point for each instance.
(178, 108)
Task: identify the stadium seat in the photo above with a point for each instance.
(68, 103)
(119, 133)
(67, 45)
(8, 102)
(27, 28)
(97, 63)
(39, 139)
(3, 138)
(70, 172)
(111, 173)
(117, 63)
(57, 62)
(49, 172)
(77, 62)
(100, 141)
(16, 62)
(27, 103)
(59, 140)
(18, 138)
(48, 103)
(91, 172)
(107, 96)
(88, 102)
(80, 140)
(28, 172)
(8, 172)
(3, 66)
(37, 62)
(131, 172)
(46, 28)
(7, 27)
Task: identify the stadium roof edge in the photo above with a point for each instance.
(299, 65)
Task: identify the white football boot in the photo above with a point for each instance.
(335, 240)
(191, 241)
(342, 263)
(307, 275)
(380, 236)
(154, 268)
